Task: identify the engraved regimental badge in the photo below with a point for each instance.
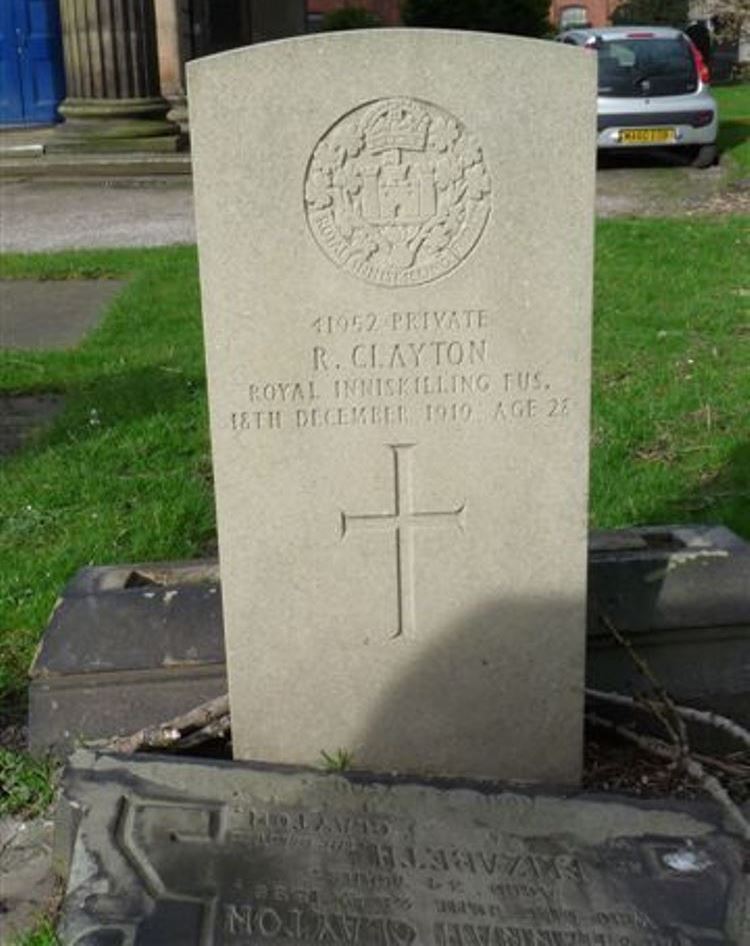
(397, 192)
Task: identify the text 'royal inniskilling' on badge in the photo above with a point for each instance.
(397, 192)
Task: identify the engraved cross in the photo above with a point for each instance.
(402, 522)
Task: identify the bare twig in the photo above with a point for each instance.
(666, 712)
(214, 730)
(735, 769)
(694, 769)
(167, 734)
(706, 717)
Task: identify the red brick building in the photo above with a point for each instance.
(563, 13)
(389, 11)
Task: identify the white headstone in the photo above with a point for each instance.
(395, 236)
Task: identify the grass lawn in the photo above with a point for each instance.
(124, 473)
(734, 122)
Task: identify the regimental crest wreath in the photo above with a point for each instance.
(397, 192)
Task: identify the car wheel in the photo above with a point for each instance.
(704, 156)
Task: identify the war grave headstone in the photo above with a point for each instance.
(395, 239)
(399, 412)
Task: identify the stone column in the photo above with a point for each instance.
(114, 101)
(171, 33)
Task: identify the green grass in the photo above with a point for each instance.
(734, 122)
(671, 425)
(124, 473)
(43, 935)
(338, 761)
(27, 785)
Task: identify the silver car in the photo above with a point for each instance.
(653, 90)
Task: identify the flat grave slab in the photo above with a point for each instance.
(169, 852)
(41, 314)
(127, 646)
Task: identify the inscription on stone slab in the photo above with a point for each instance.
(244, 857)
(395, 250)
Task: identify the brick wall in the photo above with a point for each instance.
(387, 10)
(593, 12)
(590, 12)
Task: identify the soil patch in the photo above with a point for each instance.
(663, 186)
(27, 882)
(22, 415)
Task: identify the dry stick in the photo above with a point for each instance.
(680, 754)
(736, 770)
(668, 716)
(694, 769)
(172, 731)
(215, 730)
(707, 717)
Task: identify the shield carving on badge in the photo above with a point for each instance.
(397, 192)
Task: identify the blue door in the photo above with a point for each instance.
(31, 73)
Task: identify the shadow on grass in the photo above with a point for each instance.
(721, 497)
(108, 422)
(733, 134)
(118, 400)
(613, 159)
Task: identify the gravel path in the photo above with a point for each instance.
(642, 186)
(47, 215)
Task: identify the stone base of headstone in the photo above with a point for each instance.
(178, 113)
(679, 595)
(112, 125)
(160, 851)
(150, 636)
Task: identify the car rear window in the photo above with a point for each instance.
(644, 67)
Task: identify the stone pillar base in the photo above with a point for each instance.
(178, 112)
(115, 125)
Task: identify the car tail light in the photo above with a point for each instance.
(702, 119)
(704, 73)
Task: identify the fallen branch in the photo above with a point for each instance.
(204, 722)
(218, 729)
(664, 709)
(736, 770)
(693, 768)
(706, 717)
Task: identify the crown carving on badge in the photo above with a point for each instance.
(400, 125)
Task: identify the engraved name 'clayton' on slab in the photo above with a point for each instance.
(245, 858)
(395, 269)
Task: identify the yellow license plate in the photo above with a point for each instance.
(647, 136)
